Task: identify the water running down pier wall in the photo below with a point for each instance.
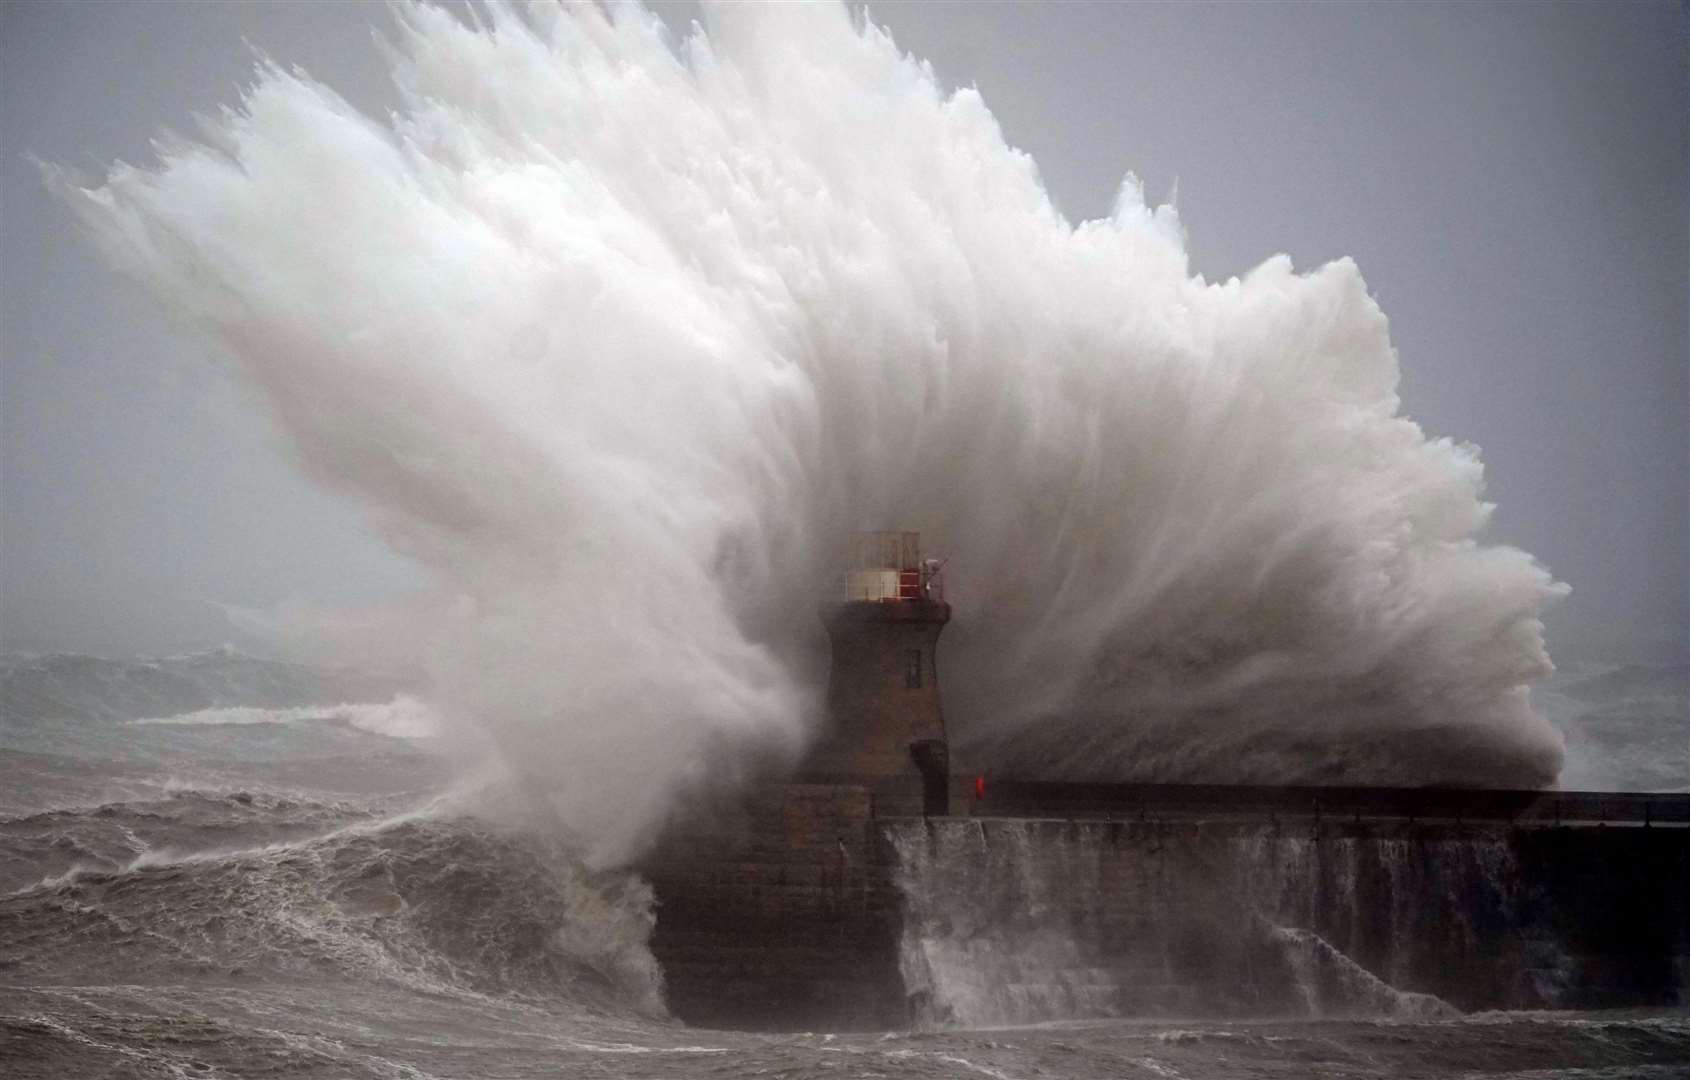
(1016, 921)
(818, 909)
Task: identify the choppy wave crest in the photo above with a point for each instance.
(78, 687)
(405, 717)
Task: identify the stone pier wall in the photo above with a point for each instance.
(1021, 920)
(834, 906)
(784, 915)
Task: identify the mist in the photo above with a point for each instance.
(618, 337)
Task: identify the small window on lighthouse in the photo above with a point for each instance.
(912, 669)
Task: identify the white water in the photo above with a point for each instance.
(619, 341)
(1017, 921)
(405, 717)
(1331, 984)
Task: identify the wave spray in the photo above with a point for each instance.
(619, 337)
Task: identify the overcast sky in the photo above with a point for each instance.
(1512, 180)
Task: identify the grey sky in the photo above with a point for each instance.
(1512, 180)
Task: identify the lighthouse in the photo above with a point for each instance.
(883, 616)
(785, 914)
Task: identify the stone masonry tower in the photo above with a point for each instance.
(787, 915)
(885, 722)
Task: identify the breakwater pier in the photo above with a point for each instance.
(838, 905)
(880, 886)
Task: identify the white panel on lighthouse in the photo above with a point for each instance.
(876, 584)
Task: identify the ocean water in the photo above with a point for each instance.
(210, 868)
(1624, 725)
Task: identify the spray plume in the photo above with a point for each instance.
(619, 339)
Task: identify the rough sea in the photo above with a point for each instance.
(215, 866)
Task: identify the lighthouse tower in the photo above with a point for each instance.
(884, 620)
(788, 915)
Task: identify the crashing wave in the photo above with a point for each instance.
(619, 337)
